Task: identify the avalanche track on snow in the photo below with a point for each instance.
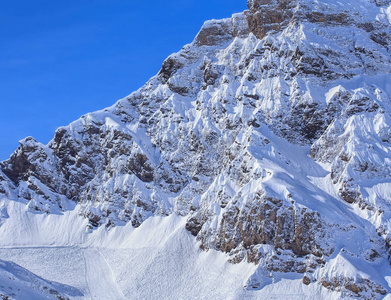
(99, 276)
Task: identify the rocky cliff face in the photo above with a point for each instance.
(270, 132)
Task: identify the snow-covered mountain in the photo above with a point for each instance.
(257, 160)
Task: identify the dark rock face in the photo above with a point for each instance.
(264, 220)
(140, 167)
(356, 286)
(269, 15)
(213, 33)
(25, 161)
(169, 67)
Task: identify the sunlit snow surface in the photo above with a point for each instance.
(159, 260)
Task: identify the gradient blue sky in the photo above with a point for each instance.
(62, 59)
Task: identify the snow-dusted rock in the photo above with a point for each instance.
(270, 133)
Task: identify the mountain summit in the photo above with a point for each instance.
(268, 138)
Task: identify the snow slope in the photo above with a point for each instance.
(160, 259)
(19, 283)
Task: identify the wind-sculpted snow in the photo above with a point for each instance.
(18, 283)
(270, 133)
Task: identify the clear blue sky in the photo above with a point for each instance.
(62, 59)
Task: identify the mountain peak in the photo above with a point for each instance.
(269, 136)
(275, 15)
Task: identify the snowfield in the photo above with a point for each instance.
(158, 260)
